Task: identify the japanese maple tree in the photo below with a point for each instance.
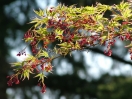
(69, 28)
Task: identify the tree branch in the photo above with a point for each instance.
(113, 56)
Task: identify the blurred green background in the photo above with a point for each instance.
(85, 75)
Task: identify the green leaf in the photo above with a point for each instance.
(102, 8)
(38, 75)
(114, 24)
(41, 76)
(42, 31)
(89, 10)
(28, 39)
(59, 37)
(16, 64)
(98, 17)
(59, 32)
(35, 20)
(123, 6)
(77, 45)
(103, 39)
(65, 44)
(127, 13)
(26, 74)
(40, 12)
(43, 54)
(29, 58)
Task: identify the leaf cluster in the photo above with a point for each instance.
(70, 29)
